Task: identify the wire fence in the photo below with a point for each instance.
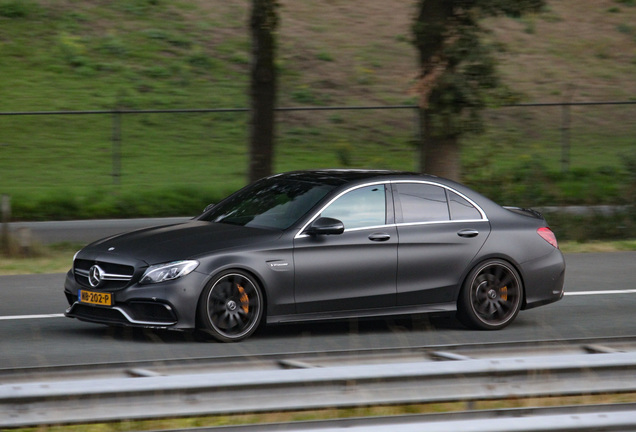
(183, 146)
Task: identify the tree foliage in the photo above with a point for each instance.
(457, 72)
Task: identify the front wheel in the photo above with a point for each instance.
(491, 296)
(231, 306)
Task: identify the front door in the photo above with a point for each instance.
(356, 269)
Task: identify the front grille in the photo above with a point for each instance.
(115, 276)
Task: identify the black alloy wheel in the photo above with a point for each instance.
(231, 306)
(491, 297)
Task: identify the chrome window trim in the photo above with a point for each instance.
(473, 203)
(484, 218)
(300, 234)
(373, 227)
(403, 224)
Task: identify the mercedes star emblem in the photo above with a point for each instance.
(95, 275)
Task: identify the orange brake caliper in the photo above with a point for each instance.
(503, 293)
(245, 300)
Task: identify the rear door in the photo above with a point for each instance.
(440, 232)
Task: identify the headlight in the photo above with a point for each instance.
(170, 271)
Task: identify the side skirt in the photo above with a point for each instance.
(363, 313)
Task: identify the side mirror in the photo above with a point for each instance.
(325, 226)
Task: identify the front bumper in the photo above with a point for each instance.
(171, 304)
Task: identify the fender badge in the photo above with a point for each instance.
(278, 265)
(110, 249)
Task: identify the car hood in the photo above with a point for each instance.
(175, 242)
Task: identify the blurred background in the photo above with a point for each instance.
(133, 108)
(142, 109)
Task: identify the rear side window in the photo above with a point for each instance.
(422, 202)
(461, 209)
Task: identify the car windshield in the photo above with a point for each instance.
(270, 203)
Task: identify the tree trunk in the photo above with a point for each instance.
(263, 88)
(440, 155)
(439, 146)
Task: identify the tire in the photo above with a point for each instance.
(491, 296)
(231, 306)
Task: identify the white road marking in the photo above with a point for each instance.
(575, 293)
(580, 293)
(22, 317)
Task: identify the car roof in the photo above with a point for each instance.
(347, 177)
(339, 177)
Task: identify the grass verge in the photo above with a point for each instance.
(332, 414)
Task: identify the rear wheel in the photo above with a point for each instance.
(491, 296)
(231, 306)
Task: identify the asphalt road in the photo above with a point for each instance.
(599, 302)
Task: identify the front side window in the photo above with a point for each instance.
(422, 202)
(359, 208)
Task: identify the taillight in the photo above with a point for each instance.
(547, 235)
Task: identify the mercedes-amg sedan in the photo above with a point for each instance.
(327, 244)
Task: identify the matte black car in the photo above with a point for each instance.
(328, 244)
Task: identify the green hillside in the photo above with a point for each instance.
(72, 55)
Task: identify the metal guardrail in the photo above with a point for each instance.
(186, 364)
(94, 400)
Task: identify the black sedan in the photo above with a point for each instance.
(328, 244)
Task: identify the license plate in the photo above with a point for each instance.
(104, 299)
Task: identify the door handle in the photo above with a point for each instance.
(468, 233)
(379, 237)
